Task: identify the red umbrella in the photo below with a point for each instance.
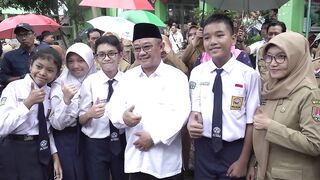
(123, 4)
(39, 23)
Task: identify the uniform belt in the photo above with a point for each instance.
(21, 137)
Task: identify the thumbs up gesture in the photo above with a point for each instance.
(130, 118)
(261, 120)
(195, 125)
(68, 92)
(97, 110)
(35, 96)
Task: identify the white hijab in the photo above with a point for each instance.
(86, 53)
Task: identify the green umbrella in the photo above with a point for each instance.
(140, 16)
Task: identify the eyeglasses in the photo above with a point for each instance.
(278, 58)
(146, 48)
(102, 56)
(22, 35)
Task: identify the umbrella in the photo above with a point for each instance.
(119, 25)
(39, 23)
(246, 5)
(140, 16)
(123, 4)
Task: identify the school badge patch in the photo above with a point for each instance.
(316, 110)
(236, 102)
(192, 85)
(3, 101)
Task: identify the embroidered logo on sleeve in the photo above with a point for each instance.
(3, 101)
(316, 110)
(236, 103)
(192, 85)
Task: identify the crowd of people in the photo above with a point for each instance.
(157, 107)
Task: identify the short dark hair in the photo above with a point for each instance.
(220, 18)
(110, 39)
(49, 54)
(275, 10)
(277, 23)
(94, 30)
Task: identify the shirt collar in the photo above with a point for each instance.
(158, 72)
(227, 67)
(105, 78)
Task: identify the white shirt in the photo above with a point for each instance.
(96, 86)
(162, 100)
(254, 49)
(176, 40)
(15, 117)
(63, 115)
(240, 97)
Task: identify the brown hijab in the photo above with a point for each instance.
(301, 73)
(300, 69)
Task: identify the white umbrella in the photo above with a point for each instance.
(246, 5)
(122, 27)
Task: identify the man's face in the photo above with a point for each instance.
(147, 52)
(26, 38)
(49, 39)
(173, 29)
(93, 36)
(217, 41)
(273, 31)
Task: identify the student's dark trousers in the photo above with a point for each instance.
(100, 162)
(143, 176)
(19, 161)
(214, 166)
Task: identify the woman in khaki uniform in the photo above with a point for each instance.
(286, 137)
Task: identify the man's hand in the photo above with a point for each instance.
(130, 118)
(68, 92)
(237, 169)
(195, 125)
(35, 96)
(144, 142)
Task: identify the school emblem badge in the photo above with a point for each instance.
(43, 145)
(316, 110)
(3, 101)
(236, 102)
(192, 85)
(216, 132)
(114, 136)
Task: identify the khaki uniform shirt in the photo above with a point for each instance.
(294, 138)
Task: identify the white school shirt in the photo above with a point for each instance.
(15, 117)
(162, 99)
(240, 96)
(96, 86)
(63, 115)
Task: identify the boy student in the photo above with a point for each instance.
(103, 145)
(28, 147)
(224, 97)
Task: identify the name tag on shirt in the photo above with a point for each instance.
(204, 83)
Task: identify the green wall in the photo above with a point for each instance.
(292, 14)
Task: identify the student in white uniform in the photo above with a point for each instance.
(27, 146)
(65, 110)
(224, 97)
(154, 112)
(103, 144)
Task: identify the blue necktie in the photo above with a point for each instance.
(43, 140)
(115, 146)
(217, 112)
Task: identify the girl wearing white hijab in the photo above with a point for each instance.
(64, 115)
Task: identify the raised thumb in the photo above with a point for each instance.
(259, 110)
(198, 118)
(131, 108)
(97, 101)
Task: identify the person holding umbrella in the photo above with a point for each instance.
(15, 64)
